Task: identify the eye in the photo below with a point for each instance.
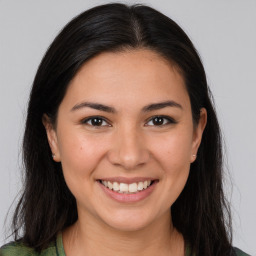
(96, 121)
(160, 121)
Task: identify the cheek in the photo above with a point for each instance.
(173, 153)
(174, 158)
(80, 155)
(174, 150)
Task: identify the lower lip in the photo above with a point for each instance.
(128, 198)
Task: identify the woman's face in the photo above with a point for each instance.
(125, 122)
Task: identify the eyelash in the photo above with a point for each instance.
(166, 119)
(87, 120)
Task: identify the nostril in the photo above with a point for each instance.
(128, 160)
(128, 152)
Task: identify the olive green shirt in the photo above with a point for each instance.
(56, 249)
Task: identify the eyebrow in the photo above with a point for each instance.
(160, 105)
(97, 106)
(108, 109)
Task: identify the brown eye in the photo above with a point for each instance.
(160, 121)
(96, 121)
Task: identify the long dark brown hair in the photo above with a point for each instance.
(46, 207)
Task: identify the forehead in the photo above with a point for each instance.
(133, 77)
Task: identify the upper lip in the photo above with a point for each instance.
(128, 180)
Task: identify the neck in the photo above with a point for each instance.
(90, 237)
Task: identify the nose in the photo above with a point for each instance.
(128, 149)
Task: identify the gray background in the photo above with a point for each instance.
(224, 32)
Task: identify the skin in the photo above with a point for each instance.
(128, 144)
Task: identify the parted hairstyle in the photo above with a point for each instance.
(201, 212)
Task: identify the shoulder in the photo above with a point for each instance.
(19, 249)
(238, 252)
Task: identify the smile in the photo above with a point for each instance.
(127, 188)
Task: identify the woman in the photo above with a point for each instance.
(122, 146)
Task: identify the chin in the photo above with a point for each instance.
(128, 222)
(127, 226)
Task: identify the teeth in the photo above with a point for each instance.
(127, 188)
(133, 188)
(115, 186)
(110, 185)
(140, 186)
(124, 187)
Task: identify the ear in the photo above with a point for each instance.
(198, 133)
(52, 137)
